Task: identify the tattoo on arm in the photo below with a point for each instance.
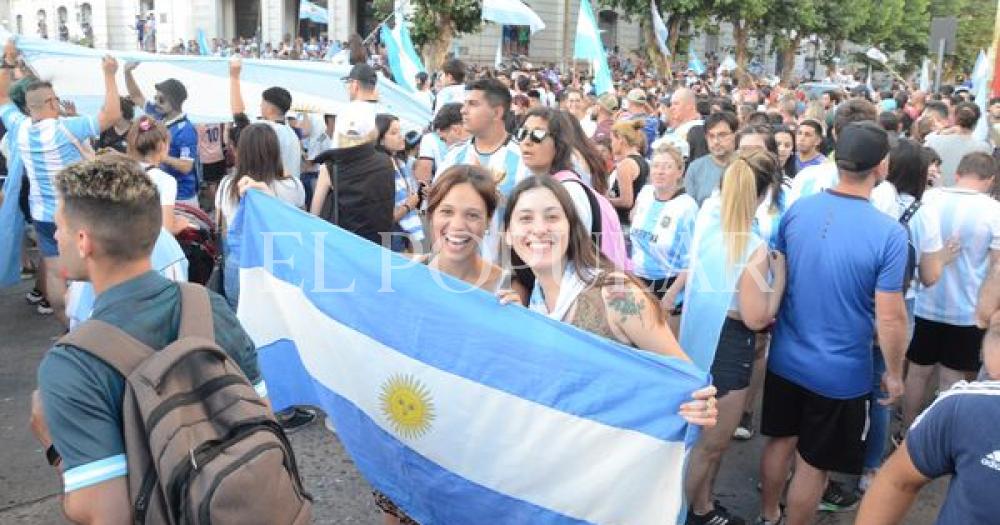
(623, 301)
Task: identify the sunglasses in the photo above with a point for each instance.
(536, 135)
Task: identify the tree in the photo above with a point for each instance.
(741, 13)
(436, 23)
(975, 28)
(677, 16)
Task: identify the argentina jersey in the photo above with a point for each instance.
(973, 219)
(507, 169)
(813, 180)
(433, 148)
(768, 217)
(46, 147)
(661, 234)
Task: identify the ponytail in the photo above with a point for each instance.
(739, 204)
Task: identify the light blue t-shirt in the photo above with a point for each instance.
(973, 218)
(702, 178)
(951, 439)
(46, 150)
(661, 234)
(840, 250)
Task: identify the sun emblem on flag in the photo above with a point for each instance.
(407, 404)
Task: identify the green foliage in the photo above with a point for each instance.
(430, 16)
(975, 27)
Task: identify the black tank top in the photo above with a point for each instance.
(637, 185)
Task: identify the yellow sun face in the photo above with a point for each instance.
(408, 406)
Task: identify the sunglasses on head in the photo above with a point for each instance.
(536, 135)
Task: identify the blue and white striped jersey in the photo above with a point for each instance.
(661, 234)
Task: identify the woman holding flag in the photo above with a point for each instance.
(576, 284)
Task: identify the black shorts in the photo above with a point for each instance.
(733, 363)
(659, 287)
(955, 347)
(831, 432)
(213, 172)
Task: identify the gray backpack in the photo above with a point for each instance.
(202, 446)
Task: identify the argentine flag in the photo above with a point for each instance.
(459, 409)
(403, 59)
(589, 47)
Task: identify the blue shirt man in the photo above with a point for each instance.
(167, 107)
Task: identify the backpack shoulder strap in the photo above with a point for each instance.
(904, 219)
(110, 344)
(196, 312)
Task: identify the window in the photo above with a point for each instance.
(43, 28)
(516, 40)
(20, 25)
(62, 14)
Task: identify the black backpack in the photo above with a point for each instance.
(911, 251)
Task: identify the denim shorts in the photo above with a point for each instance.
(45, 234)
(734, 355)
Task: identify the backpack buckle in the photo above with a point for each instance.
(194, 462)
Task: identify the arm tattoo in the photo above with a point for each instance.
(623, 300)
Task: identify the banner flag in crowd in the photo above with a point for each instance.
(512, 13)
(925, 75)
(694, 63)
(404, 62)
(203, 43)
(589, 47)
(11, 224)
(313, 13)
(981, 92)
(315, 86)
(453, 405)
(660, 29)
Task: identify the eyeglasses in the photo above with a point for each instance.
(536, 135)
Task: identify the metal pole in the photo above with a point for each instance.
(940, 65)
(386, 20)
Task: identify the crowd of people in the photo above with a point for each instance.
(830, 261)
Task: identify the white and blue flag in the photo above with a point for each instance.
(512, 13)
(589, 47)
(457, 408)
(404, 62)
(312, 12)
(660, 29)
(694, 63)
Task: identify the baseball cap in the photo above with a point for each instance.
(861, 146)
(356, 120)
(362, 73)
(173, 90)
(636, 96)
(608, 101)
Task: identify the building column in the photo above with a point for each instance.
(340, 19)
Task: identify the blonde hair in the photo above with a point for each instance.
(815, 112)
(746, 179)
(631, 132)
(674, 153)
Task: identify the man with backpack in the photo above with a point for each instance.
(148, 384)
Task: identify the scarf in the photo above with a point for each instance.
(570, 287)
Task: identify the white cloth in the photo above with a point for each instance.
(289, 190)
(290, 147)
(570, 287)
(166, 185)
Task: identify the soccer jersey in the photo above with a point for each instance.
(46, 147)
(813, 180)
(405, 185)
(452, 94)
(183, 145)
(433, 148)
(973, 219)
(661, 234)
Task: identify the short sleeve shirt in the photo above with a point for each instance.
(183, 145)
(46, 147)
(840, 251)
(82, 395)
(813, 180)
(950, 439)
(166, 185)
(973, 219)
(661, 234)
(703, 176)
(432, 148)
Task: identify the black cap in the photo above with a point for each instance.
(279, 97)
(861, 146)
(173, 90)
(362, 73)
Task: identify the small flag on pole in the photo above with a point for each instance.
(403, 59)
(660, 29)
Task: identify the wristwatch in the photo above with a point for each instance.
(52, 456)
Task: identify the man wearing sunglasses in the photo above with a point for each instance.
(166, 106)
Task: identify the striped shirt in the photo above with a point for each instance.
(46, 150)
(974, 219)
(661, 234)
(405, 186)
(813, 180)
(433, 148)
